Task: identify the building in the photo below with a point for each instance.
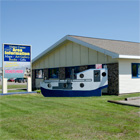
(122, 59)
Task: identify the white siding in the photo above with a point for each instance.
(37, 65)
(34, 65)
(72, 54)
(111, 60)
(62, 56)
(76, 54)
(101, 58)
(84, 55)
(127, 84)
(46, 62)
(51, 60)
(92, 56)
(42, 63)
(69, 54)
(57, 58)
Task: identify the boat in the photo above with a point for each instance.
(83, 84)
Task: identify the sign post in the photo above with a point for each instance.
(16, 63)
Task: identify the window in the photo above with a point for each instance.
(91, 66)
(53, 73)
(68, 71)
(39, 74)
(104, 66)
(136, 70)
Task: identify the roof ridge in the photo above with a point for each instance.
(104, 39)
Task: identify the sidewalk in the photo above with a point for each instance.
(1, 94)
(133, 101)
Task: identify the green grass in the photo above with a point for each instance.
(33, 117)
(15, 86)
(20, 90)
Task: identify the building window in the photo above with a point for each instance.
(68, 71)
(39, 74)
(91, 66)
(136, 70)
(53, 73)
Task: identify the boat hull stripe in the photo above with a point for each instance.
(71, 93)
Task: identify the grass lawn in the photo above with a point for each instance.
(34, 117)
(20, 90)
(15, 86)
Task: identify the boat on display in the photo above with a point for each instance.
(83, 84)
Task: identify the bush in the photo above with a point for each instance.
(38, 91)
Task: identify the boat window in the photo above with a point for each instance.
(96, 75)
(49, 85)
(103, 74)
(81, 85)
(81, 75)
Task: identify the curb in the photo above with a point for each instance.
(121, 103)
(131, 98)
(12, 93)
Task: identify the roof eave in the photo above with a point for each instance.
(67, 37)
(129, 57)
(50, 48)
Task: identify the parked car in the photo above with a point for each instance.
(20, 80)
(11, 80)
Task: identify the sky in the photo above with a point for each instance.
(41, 23)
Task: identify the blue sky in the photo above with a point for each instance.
(42, 23)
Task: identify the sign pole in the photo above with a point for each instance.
(29, 79)
(2, 67)
(4, 80)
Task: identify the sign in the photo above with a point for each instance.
(16, 61)
(98, 66)
(17, 53)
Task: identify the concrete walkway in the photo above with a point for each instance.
(1, 94)
(132, 101)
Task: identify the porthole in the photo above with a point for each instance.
(81, 75)
(103, 74)
(49, 85)
(81, 85)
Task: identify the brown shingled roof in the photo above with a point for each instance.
(116, 46)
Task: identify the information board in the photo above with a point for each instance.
(16, 61)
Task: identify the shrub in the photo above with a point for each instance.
(38, 91)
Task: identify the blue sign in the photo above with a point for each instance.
(16, 61)
(17, 53)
